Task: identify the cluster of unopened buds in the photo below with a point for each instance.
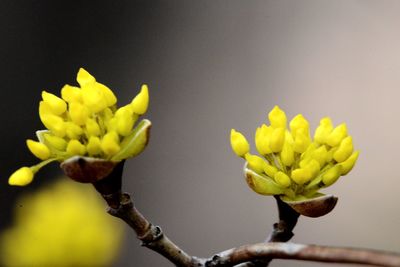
(292, 165)
(86, 124)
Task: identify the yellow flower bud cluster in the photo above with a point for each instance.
(63, 224)
(292, 163)
(85, 121)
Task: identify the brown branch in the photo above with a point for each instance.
(282, 231)
(246, 253)
(151, 236)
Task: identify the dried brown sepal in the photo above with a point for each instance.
(315, 207)
(86, 169)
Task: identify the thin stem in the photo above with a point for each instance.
(293, 251)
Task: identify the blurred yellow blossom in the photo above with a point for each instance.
(61, 225)
(86, 122)
(292, 164)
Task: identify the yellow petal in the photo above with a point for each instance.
(21, 177)
(239, 143)
(320, 154)
(55, 124)
(301, 141)
(287, 154)
(57, 105)
(141, 101)
(124, 120)
(262, 139)
(108, 94)
(93, 98)
(38, 149)
(92, 128)
(277, 118)
(301, 176)
(299, 122)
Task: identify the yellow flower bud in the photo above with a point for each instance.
(73, 131)
(83, 77)
(94, 146)
(301, 175)
(93, 98)
(38, 149)
(262, 139)
(71, 94)
(287, 154)
(78, 113)
(55, 124)
(331, 175)
(277, 118)
(57, 105)
(282, 179)
(44, 109)
(75, 147)
(270, 170)
(301, 141)
(337, 135)
(299, 122)
(255, 163)
(239, 143)
(345, 149)
(124, 121)
(277, 140)
(110, 143)
(92, 128)
(141, 101)
(21, 177)
(55, 141)
(320, 154)
(313, 166)
(323, 130)
(108, 94)
(349, 163)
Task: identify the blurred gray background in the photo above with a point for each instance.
(212, 66)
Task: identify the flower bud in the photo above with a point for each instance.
(55, 142)
(297, 123)
(38, 149)
(73, 131)
(323, 130)
(141, 101)
(301, 141)
(55, 124)
(57, 105)
(239, 143)
(124, 122)
(277, 118)
(282, 179)
(107, 93)
(331, 175)
(78, 113)
(270, 170)
(75, 147)
(320, 154)
(83, 77)
(92, 128)
(71, 94)
(110, 144)
(21, 177)
(93, 99)
(287, 154)
(262, 139)
(94, 146)
(277, 140)
(345, 149)
(301, 175)
(348, 164)
(255, 162)
(337, 135)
